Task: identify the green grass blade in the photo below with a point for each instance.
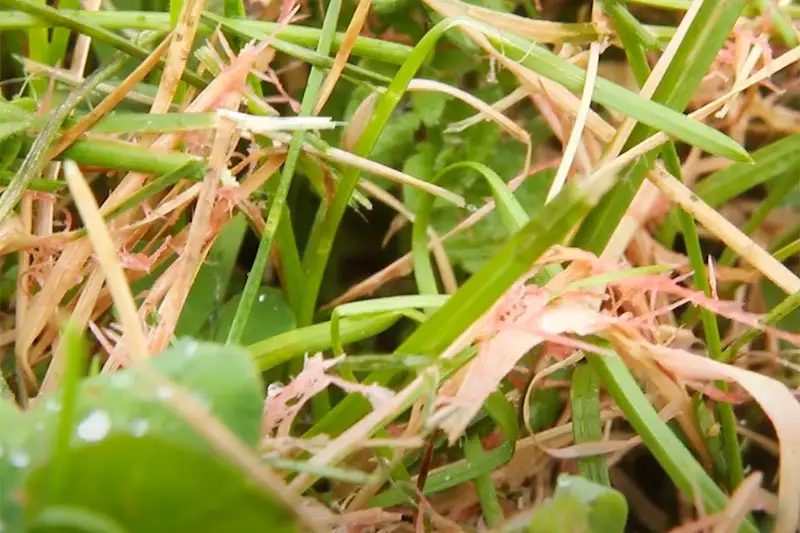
(77, 22)
(39, 50)
(550, 226)
(732, 463)
(672, 455)
(778, 312)
(281, 194)
(777, 159)
(380, 305)
(119, 155)
(351, 72)
(511, 213)
(774, 199)
(474, 467)
(773, 161)
(365, 47)
(650, 113)
(35, 160)
(484, 484)
(74, 357)
(586, 425)
(694, 57)
(629, 29)
(780, 20)
(304, 36)
(193, 168)
(284, 347)
(329, 217)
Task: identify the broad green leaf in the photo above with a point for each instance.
(9, 129)
(126, 405)
(473, 247)
(223, 379)
(9, 149)
(580, 506)
(13, 462)
(147, 484)
(211, 284)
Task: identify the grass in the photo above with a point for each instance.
(510, 229)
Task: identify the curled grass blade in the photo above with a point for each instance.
(398, 304)
(511, 213)
(672, 455)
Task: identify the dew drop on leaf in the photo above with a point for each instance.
(19, 459)
(94, 427)
(139, 427)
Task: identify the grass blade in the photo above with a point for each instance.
(585, 400)
(281, 194)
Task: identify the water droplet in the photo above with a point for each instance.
(94, 427)
(19, 459)
(164, 393)
(52, 406)
(191, 348)
(274, 388)
(261, 297)
(120, 380)
(472, 208)
(139, 427)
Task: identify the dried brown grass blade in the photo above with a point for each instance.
(724, 230)
(571, 148)
(179, 51)
(348, 42)
(109, 260)
(110, 100)
(540, 31)
(777, 401)
(199, 231)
